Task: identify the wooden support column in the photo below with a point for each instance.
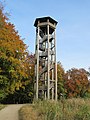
(37, 65)
(55, 66)
(48, 85)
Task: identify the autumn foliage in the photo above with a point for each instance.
(76, 83)
(14, 60)
(17, 70)
(73, 83)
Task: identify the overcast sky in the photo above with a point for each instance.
(73, 28)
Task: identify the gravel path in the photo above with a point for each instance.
(10, 112)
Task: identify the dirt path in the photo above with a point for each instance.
(10, 112)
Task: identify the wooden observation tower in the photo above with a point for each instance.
(45, 59)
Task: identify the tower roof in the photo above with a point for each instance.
(44, 19)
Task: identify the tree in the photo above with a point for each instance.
(60, 78)
(25, 93)
(76, 82)
(13, 55)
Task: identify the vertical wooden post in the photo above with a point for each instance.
(55, 66)
(48, 85)
(37, 66)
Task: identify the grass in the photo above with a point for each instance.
(70, 109)
(2, 106)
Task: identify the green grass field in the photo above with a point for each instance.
(70, 109)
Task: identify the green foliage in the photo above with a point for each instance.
(15, 74)
(60, 83)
